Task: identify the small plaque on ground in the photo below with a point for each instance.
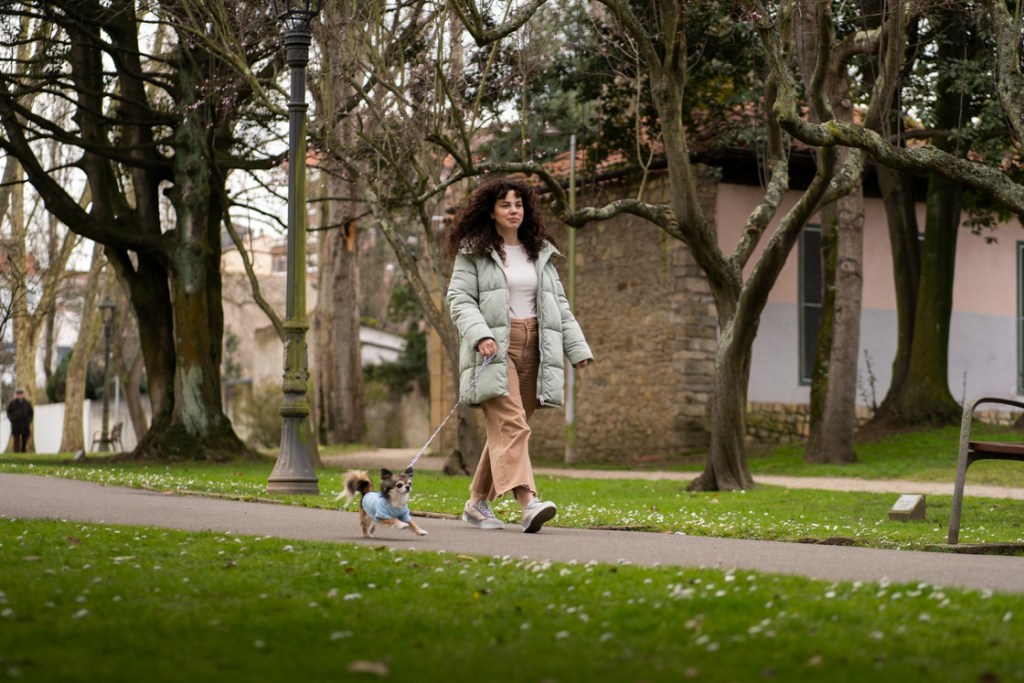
(907, 507)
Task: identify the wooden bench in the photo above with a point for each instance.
(973, 451)
(113, 438)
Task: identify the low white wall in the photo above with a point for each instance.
(48, 425)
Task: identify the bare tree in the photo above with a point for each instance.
(988, 178)
(158, 115)
(336, 324)
(983, 32)
(825, 66)
(392, 73)
(661, 37)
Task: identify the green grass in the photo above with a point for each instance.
(93, 602)
(766, 512)
(86, 602)
(928, 455)
(918, 456)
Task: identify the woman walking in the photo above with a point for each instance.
(507, 301)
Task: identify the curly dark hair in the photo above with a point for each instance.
(474, 229)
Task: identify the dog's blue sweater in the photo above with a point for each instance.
(377, 507)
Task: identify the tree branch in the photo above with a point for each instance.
(978, 176)
(254, 282)
(474, 23)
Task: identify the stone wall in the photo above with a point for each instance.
(649, 318)
(998, 417)
(773, 423)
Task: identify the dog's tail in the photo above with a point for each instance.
(356, 481)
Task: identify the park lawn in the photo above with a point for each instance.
(927, 455)
(765, 512)
(88, 602)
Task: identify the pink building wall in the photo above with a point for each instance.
(983, 344)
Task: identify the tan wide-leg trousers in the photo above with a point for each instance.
(505, 462)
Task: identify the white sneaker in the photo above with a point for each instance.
(481, 515)
(536, 513)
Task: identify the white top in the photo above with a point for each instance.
(521, 274)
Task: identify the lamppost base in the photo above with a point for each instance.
(297, 487)
(293, 474)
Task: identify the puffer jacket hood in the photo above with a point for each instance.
(477, 300)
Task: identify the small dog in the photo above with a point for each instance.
(389, 507)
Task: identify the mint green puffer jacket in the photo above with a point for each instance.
(478, 302)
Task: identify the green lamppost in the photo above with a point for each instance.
(294, 472)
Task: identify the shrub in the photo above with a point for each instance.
(257, 417)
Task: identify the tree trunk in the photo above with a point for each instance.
(198, 316)
(336, 325)
(833, 438)
(73, 438)
(24, 327)
(180, 326)
(150, 296)
(340, 402)
(905, 244)
(833, 405)
(132, 396)
(826, 330)
(919, 392)
(924, 397)
(469, 443)
(726, 468)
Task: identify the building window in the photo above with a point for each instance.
(809, 298)
(1020, 317)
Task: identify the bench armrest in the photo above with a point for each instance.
(972, 405)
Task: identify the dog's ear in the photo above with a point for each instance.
(385, 474)
(408, 470)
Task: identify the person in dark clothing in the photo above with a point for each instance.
(19, 412)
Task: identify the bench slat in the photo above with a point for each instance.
(998, 447)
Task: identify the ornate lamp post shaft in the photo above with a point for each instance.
(293, 472)
(107, 313)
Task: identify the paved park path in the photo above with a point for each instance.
(34, 497)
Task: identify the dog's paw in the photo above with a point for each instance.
(403, 525)
(421, 532)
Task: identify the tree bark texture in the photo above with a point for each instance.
(23, 322)
(726, 468)
(919, 390)
(340, 402)
(924, 397)
(132, 395)
(336, 325)
(833, 442)
(73, 438)
(834, 381)
(905, 244)
(826, 331)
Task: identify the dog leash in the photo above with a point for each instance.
(487, 361)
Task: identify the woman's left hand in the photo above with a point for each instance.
(582, 364)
